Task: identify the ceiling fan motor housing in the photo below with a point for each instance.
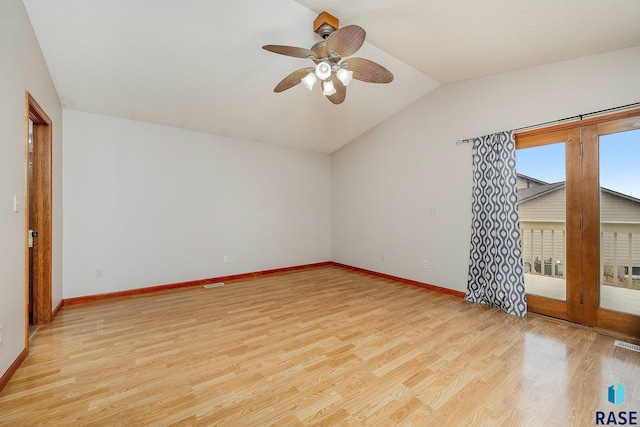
(325, 24)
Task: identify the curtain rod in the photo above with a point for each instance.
(552, 122)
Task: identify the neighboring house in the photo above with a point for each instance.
(524, 181)
(542, 211)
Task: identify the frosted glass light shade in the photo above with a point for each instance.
(327, 88)
(344, 76)
(323, 70)
(309, 80)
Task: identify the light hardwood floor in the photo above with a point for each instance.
(324, 346)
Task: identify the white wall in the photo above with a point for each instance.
(152, 205)
(22, 68)
(385, 182)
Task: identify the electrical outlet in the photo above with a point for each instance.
(425, 264)
(0, 334)
(381, 257)
(433, 211)
(225, 258)
(99, 273)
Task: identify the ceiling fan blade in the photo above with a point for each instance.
(291, 80)
(346, 41)
(320, 51)
(368, 71)
(296, 52)
(341, 91)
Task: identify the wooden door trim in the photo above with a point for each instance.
(578, 123)
(36, 112)
(42, 188)
(623, 323)
(547, 306)
(574, 233)
(591, 224)
(540, 139)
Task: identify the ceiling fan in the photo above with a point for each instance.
(332, 68)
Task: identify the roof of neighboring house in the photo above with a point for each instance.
(624, 196)
(528, 178)
(526, 194)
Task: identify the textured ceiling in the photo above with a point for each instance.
(198, 64)
(451, 40)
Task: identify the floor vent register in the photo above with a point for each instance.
(627, 345)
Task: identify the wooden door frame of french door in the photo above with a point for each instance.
(583, 195)
(571, 309)
(38, 204)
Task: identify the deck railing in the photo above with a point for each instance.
(544, 250)
(544, 247)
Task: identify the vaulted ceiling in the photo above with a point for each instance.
(198, 64)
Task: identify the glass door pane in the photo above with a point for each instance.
(541, 185)
(620, 222)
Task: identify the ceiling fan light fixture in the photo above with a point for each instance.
(328, 88)
(323, 70)
(344, 76)
(309, 80)
(333, 64)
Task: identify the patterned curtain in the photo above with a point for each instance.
(495, 262)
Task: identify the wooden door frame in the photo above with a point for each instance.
(42, 198)
(583, 197)
(571, 308)
(628, 324)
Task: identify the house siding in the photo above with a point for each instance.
(548, 207)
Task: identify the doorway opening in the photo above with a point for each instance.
(38, 198)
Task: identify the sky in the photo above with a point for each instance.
(619, 162)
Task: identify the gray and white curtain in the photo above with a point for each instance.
(495, 262)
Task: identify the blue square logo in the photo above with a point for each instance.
(616, 394)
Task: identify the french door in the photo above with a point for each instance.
(579, 207)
